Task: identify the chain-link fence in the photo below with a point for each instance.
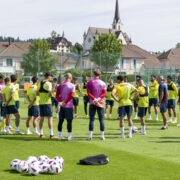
(27, 63)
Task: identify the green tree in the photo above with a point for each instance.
(106, 52)
(77, 48)
(74, 72)
(39, 56)
(178, 45)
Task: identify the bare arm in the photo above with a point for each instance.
(115, 97)
(161, 97)
(7, 102)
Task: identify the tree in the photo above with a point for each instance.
(39, 56)
(77, 48)
(106, 51)
(178, 45)
(74, 72)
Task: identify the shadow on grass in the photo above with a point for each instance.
(11, 171)
(161, 142)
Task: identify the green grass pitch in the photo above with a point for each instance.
(154, 156)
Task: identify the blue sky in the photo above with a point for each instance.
(152, 24)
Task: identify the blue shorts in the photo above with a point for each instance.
(17, 104)
(153, 102)
(135, 104)
(46, 110)
(75, 101)
(11, 109)
(34, 111)
(54, 101)
(109, 102)
(3, 111)
(66, 113)
(125, 110)
(171, 104)
(142, 111)
(163, 108)
(86, 99)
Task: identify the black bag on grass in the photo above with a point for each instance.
(95, 160)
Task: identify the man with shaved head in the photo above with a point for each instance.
(65, 93)
(163, 100)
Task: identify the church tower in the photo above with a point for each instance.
(117, 21)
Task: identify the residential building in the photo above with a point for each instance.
(66, 61)
(11, 56)
(170, 58)
(61, 45)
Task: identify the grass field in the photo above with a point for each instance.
(154, 156)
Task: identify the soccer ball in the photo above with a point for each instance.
(43, 158)
(34, 169)
(46, 86)
(52, 161)
(59, 159)
(30, 159)
(55, 168)
(22, 167)
(14, 164)
(134, 129)
(44, 167)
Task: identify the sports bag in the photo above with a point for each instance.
(95, 160)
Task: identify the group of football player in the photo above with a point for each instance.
(43, 95)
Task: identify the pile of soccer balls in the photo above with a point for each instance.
(34, 165)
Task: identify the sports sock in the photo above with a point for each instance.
(75, 114)
(156, 116)
(135, 114)
(175, 118)
(17, 128)
(122, 131)
(41, 132)
(130, 131)
(105, 115)
(27, 130)
(35, 130)
(60, 134)
(109, 115)
(144, 129)
(90, 134)
(149, 116)
(51, 132)
(7, 128)
(102, 133)
(69, 135)
(170, 118)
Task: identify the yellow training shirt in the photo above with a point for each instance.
(9, 89)
(143, 96)
(44, 92)
(31, 93)
(16, 94)
(124, 91)
(153, 90)
(172, 91)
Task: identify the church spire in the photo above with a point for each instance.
(116, 16)
(117, 21)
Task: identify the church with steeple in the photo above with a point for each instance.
(92, 33)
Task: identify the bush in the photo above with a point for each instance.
(74, 72)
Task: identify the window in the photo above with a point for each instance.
(123, 64)
(9, 62)
(134, 63)
(89, 40)
(72, 66)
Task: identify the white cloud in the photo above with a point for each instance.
(153, 25)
